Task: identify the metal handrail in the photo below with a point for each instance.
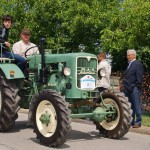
(1, 48)
(1, 45)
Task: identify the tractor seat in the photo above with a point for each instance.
(7, 60)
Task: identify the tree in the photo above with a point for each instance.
(132, 30)
(115, 25)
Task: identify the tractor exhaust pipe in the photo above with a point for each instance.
(43, 67)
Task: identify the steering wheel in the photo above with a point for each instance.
(25, 53)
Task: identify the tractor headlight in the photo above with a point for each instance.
(67, 71)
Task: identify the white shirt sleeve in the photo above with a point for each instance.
(20, 48)
(16, 48)
(105, 72)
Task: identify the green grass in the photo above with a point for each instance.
(146, 119)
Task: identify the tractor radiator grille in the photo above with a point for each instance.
(84, 62)
(86, 66)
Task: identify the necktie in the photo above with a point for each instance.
(129, 65)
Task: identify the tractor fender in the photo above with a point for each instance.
(8, 70)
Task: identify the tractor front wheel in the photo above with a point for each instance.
(50, 118)
(119, 126)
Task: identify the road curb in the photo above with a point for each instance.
(141, 130)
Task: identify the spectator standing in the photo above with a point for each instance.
(132, 83)
(21, 46)
(104, 72)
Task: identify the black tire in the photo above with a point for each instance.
(54, 133)
(122, 122)
(10, 101)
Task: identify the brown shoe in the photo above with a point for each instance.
(136, 126)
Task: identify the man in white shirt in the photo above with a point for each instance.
(21, 46)
(104, 72)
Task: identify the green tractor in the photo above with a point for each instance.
(60, 87)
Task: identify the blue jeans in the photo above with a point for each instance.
(20, 61)
(134, 99)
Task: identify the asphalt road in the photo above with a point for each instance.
(82, 137)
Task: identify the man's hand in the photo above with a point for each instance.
(7, 44)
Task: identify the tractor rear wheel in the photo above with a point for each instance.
(51, 121)
(9, 104)
(120, 125)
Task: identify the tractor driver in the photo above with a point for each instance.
(21, 46)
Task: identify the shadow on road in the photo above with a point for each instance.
(74, 135)
(19, 125)
(79, 135)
